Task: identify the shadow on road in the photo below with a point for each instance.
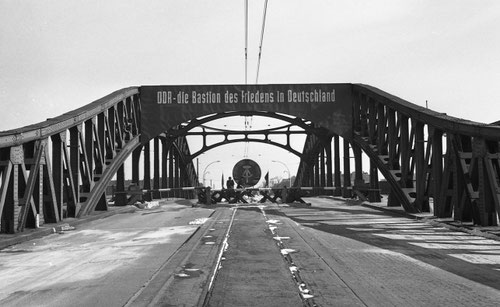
(471, 257)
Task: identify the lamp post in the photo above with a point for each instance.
(205, 173)
(287, 169)
(205, 170)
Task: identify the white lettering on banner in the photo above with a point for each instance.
(230, 97)
(245, 96)
(164, 97)
(182, 98)
(312, 96)
(205, 97)
(257, 97)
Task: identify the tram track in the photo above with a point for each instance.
(316, 271)
(305, 293)
(183, 279)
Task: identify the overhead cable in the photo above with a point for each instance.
(246, 41)
(261, 40)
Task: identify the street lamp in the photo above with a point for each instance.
(287, 169)
(205, 170)
(205, 173)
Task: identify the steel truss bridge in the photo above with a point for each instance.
(61, 168)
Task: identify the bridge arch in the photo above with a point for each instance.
(304, 127)
(60, 168)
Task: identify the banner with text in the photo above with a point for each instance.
(327, 105)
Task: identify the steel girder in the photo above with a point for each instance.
(61, 167)
(245, 136)
(430, 157)
(322, 174)
(172, 168)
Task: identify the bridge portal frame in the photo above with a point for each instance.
(61, 167)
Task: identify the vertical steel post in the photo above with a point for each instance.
(437, 167)
(347, 190)
(171, 169)
(420, 167)
(136, 156)
(392, 140)
(57, 171)
(121, 196)
(322, 167)
(156, 167)
(74, 155)
(329, 175)
(373, 193)
(358, 166)
(164, 163)
(147, 167)
(337, 175)
(89, 150)
(404, 150)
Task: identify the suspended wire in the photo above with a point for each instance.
(261, 40)
(246, 41)
(247, 125)
(245, 150)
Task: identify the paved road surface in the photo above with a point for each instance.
(332, 253)
(344, 254)
(101, 263)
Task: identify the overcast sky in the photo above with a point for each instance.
(58, 55)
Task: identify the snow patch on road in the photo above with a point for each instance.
(199, 221)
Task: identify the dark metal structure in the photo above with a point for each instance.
(62, 167)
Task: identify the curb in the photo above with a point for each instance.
(51, 228)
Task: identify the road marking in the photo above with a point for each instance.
(304, 292)
(223, 249)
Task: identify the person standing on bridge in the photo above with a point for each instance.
(230, 189)
(230, 183)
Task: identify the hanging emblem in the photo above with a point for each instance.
(246, 173)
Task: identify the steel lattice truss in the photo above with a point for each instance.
(63, 167)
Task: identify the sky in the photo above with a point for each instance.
(58, 55)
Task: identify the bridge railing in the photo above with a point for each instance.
(430, 158)
(60, 167)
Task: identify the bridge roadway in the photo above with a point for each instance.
(332, 253)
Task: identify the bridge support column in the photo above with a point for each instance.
(171, 172)
(459, 204)
(337, 176)
(488, 191)
(316, 178)
(156, 168)
(136, 155)
(347, 190)
(121, 194)
(322, 168)
(329, 175)
(164, 166)
(359, 180)
(374, 193)
(437, 167)
(420, 168)
(147, 170)
(57, 173)
(405, 153)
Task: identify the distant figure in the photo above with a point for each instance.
(230, 183)
(230, 190)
